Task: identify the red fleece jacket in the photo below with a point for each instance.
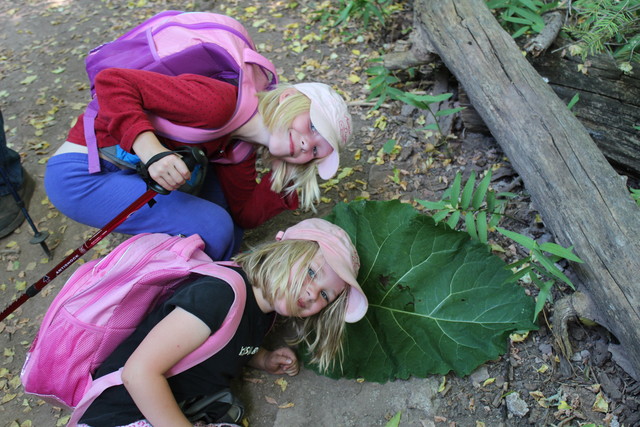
(189, 100)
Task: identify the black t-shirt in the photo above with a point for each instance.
(209, 299)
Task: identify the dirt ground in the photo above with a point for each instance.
(42, 90)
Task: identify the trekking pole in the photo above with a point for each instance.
(39, 237)
(153, 189)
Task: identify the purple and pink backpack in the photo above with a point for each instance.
(103, 302)
(174, 43)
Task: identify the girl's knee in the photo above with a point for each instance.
(219, 236)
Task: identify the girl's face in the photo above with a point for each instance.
(300, 143)
(321, 286)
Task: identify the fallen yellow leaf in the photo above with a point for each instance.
(518, 337)
(542, 369)
(282, 383)
(488, 381)
(15, 382)
(601, 404)
(443, 383)
(8, 397)
(28, 80)
(286, 405)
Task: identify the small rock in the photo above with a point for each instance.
(576, 357)
(516, 405)
(601, 353)
(479, 376)
(614, 422)
(407, 110)
(545, 348)
(578, 334)
(609, 386)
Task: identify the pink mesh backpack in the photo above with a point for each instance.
(174, 43)
(103, 302)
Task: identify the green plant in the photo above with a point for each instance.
(597, 26)
(573, 101)
(335, 14)
(395, 421)
(635, 195)
(481, 209)
(521, 16)
(423, 102)
(539, 267)
(611, 26)
(381, 83)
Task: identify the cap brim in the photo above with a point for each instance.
(357, 305)
(328, 166)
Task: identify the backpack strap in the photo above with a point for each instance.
(245, 109)
(95, 389)
(222, 336)
(211, 346)
(88, 120)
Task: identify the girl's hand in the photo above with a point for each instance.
(170, 172)
(277, 362)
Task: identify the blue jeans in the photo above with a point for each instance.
(95, 199)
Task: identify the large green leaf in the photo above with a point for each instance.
(438, 301)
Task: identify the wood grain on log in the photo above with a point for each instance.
(609, 105)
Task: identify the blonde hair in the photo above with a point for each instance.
(285, 176)
(268, 267)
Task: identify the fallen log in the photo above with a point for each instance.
(582, 200)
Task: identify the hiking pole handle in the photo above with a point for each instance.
(73, 257)
(190, 155)
(193, 156)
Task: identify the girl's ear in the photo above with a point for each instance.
(286, 93)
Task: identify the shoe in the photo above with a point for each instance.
(221, 408)
(11, 216)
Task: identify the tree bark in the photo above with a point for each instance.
(582, 200)
(609, 105)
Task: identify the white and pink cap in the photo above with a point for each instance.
(340, 254)
(330, 116)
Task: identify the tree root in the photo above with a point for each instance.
(420, 53)
(540, 43)
(571, 307)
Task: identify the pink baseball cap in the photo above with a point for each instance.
(330, 116)
(340, 254)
